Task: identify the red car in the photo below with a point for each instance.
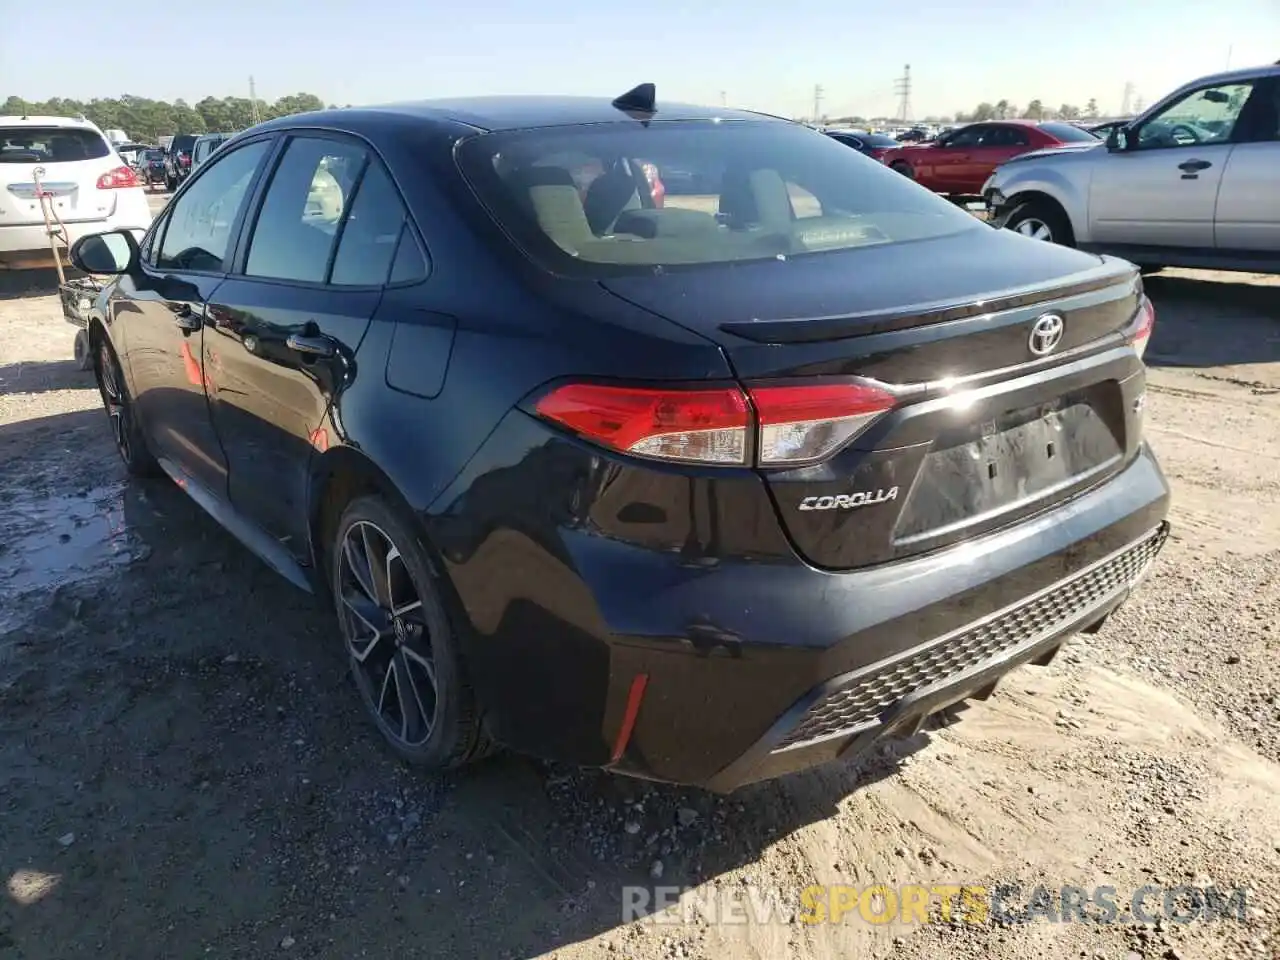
(959, 162)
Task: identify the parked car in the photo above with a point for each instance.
(960, 162)
(90, 187)
(1194, 181)
(874, 145)
(698, 495)
(914, 135)
(177, 161)
(204, 146)
(129, 152)
(152, 167)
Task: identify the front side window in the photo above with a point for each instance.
(198, 235)
(1006, 137)
(968, 137)
(605, 198)
(1204, 116)
(297, 227)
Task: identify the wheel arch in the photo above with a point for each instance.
(338, 476)
(1052, 187)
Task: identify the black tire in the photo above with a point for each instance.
(171, 183)
(80, 350)
(455, 735)
(130, 442)
(904, 168)
(1041, 221)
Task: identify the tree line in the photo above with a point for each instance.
(146, 120)
(1035, 110)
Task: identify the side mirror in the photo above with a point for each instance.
(1113, 139)
(106, 254)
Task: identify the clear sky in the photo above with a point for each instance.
(766, 56)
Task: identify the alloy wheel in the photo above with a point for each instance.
(115, 400)
(386, 633)
(1035, 229)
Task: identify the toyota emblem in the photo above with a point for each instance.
(1046, 334)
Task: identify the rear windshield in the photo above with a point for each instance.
(183, 144)
(1067, 132)
(50, 145)
(154, 154)
(609, 198)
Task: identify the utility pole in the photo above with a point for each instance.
(817, 103)
(1230, 47)
(724, 100)
(253, 101)
(1138, 104)
(1127, 101)
(902, 89)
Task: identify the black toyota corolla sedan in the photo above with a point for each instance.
(702, 488)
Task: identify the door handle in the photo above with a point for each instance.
(317, 346)
(187, 320)
(1194, 166)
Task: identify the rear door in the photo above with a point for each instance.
(1162, 190)
(1247, 217)
(70, 160)
(286, 326)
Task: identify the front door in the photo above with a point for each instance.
(1161, 187)
(285, 327)
(950, 158)
(161, 316)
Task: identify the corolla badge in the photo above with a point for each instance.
(847, 501)
(1046, 334)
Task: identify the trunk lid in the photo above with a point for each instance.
(987, 432)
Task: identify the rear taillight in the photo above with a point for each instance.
(701, 426)
(804, 424)
(117, 178)
(787, 425)
(1145, 323)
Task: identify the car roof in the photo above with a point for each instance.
(495, 113)
(81, 123)
(1243, 73)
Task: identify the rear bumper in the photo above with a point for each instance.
(848, 715)
(760, 665)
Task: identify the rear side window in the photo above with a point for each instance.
(310, 192)
(50, 145)
(1068, 133)
(371, 233)
(621, 197)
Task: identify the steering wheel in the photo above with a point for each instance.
(1186, 138)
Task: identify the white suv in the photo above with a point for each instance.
(1192, 182)
(90, 187)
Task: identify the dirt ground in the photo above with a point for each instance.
(185, 771)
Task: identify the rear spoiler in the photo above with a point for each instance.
(1111, 272)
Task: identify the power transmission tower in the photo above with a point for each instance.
(817, 102)
(724, 100)
(253, 102)
(1138, 104)
(1127, 101)
(902, 89)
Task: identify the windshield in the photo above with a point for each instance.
(611, 198)
(50, 145)
(183, 143)
(1067, 133)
